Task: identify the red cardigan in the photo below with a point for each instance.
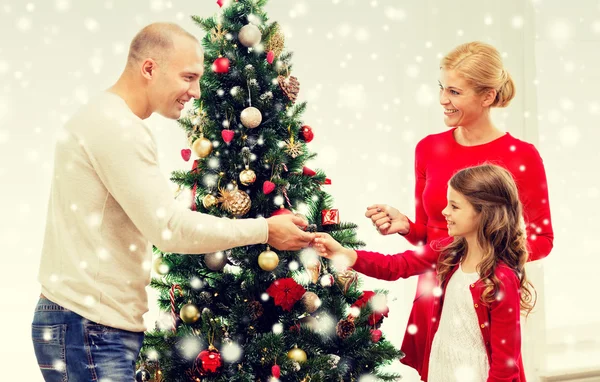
(499, 323)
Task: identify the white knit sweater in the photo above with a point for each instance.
(109, 201)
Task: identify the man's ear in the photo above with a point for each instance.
(148, 68)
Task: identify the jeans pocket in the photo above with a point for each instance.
(49, 347)
(113, 352)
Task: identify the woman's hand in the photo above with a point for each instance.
(387, 219)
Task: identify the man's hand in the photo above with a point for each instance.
(285, 235)
(387, 219)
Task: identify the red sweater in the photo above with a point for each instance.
(437, 158)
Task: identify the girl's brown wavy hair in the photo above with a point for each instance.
(492, 192)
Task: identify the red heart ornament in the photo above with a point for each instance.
(186, 154)
(270, 57)
(227, 135)
(268, 187)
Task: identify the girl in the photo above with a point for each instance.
(474, 334)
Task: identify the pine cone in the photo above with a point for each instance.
(256, 310)
(290, 86)
(235, 202)
(345, 328)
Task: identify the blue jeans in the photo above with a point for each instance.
(69, 347)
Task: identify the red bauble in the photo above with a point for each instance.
(282, 211)
(268, 187)
(307, 133)
(308, 172)
(276, 371)
(186, 154)
(376, 335)
(207, 362)
(270, 57)
(221, 65)
(227, 135)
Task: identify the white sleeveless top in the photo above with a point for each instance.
(458, 353)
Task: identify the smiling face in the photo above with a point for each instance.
(460, 215)
(177, 79)
(463, 106)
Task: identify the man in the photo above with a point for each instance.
(109, 201)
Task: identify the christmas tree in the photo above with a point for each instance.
(254, 313)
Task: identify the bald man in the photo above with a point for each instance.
(109, 201)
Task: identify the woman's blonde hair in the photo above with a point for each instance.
(492, 192)
(481, 65)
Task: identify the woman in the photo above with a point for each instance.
(472, 81)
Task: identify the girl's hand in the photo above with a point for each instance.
(327, 247)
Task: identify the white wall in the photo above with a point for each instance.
(369, 72)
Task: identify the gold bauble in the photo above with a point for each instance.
(346, 279)
(189, 313)
(251, 117)
(247, 177)
(161, 266)
(268, 260)
(249, 35)
(202, 147)
(297, 355)
(209, 201)
(235, 202)
(276, 42)
(311, 302)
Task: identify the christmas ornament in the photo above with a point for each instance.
(289, 86)
(268, 187)
(227, 135)
(327, 280)
(268, 260)
(221, 65)
(308, 172)
(314, 270)
(208, 362)
(235, 202)
(307, 133)
(297, 354)
(161, 265)
(189, 313)
(186, 154)
(310, 322)
(215, 261)
(220, 3)
(142, 375)
(251, 117)
(282, 211)
(217, 34)
(256, 310)
(270, 57)
(247, 177)
(276, 41)
(249, 35)
(202, 147)
(329, 217)
(294, 149)
(376, 335)
(286, 292)
(345, 328)
(208, 201)
(311, 302)
(376, 316)
(176, 320)
(276, 371)
(346, 279)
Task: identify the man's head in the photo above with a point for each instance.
(168, 61)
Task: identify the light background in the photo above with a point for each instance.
(368, 70)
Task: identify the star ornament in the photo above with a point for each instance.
(217, 34)
(294, 149)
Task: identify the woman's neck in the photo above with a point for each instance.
(478, 133)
